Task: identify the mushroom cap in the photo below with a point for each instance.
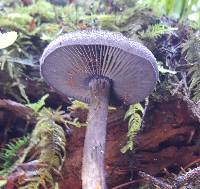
(73, 59)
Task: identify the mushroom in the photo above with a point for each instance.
(100, 68)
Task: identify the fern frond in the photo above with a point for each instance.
(9, 154)
(134, 114)
(155, 31)
(49, 139)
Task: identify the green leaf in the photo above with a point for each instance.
(38, 105)
(77, 105)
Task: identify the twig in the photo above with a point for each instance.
(192, 163)
(189, 177)
(186, 88)
(155, 181)
(128, 183)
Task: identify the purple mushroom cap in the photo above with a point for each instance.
(73, 59)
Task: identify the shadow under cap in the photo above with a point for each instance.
(70, 62)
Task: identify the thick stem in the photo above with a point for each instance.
(93, 174)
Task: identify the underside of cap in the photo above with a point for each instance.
(70, 62)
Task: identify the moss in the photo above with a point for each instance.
(134, 114)
(49, 139)
(42, 9)
(5, 22)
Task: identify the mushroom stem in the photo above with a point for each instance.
(93, 174)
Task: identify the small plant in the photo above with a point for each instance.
(134, 114)
(10, 155)
(155, 31)
(191, 49)
(48, 139)
(39, 104)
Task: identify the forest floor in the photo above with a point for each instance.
(166, 149)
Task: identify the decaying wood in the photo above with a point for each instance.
(19, 110)
(155, 181)
(169, 141)
(189, 177)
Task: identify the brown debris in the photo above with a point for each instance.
(190, 177)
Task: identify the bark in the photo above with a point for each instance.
(93, 174)
(18, 109)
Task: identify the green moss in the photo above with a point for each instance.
(41, 8)
(155, 31)
(134, 114)
(5, 22)
(49, 139)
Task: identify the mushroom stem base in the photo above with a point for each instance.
(93, 174)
